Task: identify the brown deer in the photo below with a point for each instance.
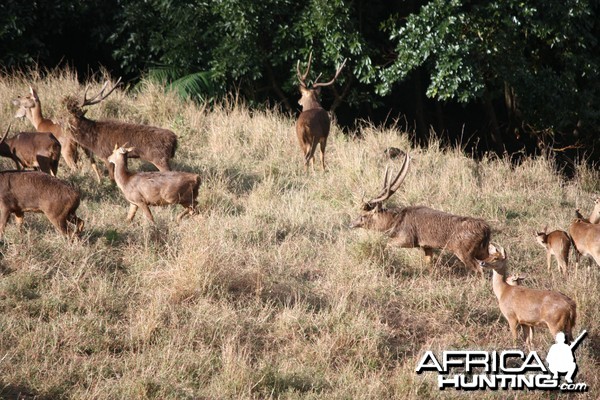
(37, 150)
(419, 226)
(152, 144)
(313, 123)
(31, 107)
(145, 189)
(558, 244)
(529, 307)
(586, 239)
(32, 191)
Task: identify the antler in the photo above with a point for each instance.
(389, 188)
(302, 77)
(6, 133)
(337, 73)
(100, 96)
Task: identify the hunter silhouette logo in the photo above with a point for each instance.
(508, 369)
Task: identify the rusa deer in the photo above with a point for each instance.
(38, 150)
(30, 107)
(529, 307)
(32, 191)
(558, 244)
(586, 239)
(156, 145)
(419, 226)
(313, 124)
(143, 189)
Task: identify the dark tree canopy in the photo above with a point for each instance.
(513, 74)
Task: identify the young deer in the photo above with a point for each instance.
(586, 239)
(38, 150)
(529, 307)
(31, 107)
(419, 226)
(145, 189)
(558, 244)
(313, 123)
(32, 191)
(152, 144)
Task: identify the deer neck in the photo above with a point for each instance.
(122, 174)
(310, 104)
(35, 115)
(499, 284)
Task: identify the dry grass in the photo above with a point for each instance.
(267, 294)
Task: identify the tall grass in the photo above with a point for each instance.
(267, 293)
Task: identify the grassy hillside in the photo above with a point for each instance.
(267, 293)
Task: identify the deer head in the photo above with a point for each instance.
(372, 214)
(496, 259)
(310, 93)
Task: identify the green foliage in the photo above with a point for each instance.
(541, 50)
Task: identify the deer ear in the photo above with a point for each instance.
(129, 149)
(33, 92)
(502, 252)
(491, 249)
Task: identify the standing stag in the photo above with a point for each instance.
(313, 123)
(37, 150)
(145, 189)
(419, 226)
(529, 307)
(32, 191)
(31, 107)
(153, 144)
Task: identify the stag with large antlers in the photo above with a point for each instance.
(313, 123)
(156, 145)
(30, 107)
(418, 226)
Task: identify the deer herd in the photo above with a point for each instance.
(467, 238)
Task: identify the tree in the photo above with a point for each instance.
(541, 59)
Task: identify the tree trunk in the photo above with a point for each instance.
(495, 134)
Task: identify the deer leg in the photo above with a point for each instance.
(311, 153)
(322, 145)
(549, 260)
(131, 213)
(513, 329)
(146, 211)
(60, 224)
(428, 254)
(19, 218)
(4, 214)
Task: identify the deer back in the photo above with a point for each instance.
(586, 237)
(37, 192)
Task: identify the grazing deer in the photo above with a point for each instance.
(586, 239)
(32, 191)
(313, 123)
(31, 107)
(145, 189)
(152, 144)
(529, 307)
(38, 150)
(419, 226)
(558, 244)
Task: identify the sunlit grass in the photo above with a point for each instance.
(267, 293)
